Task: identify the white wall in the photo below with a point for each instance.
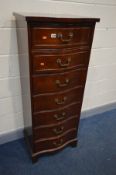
(101, 82)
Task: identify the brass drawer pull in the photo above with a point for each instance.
(70, 37)
(62, 84)
(58, 130)
(58, 143)
(57, 117)
(59, 61)
(58, 102)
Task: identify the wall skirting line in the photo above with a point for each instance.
(11, 136)
(17, 134)
(98, 110)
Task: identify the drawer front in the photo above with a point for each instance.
(57, 62)
(55, 144)
(41, 133)
(58, 82)
(60, 37)
(54, 117)
(57, 100)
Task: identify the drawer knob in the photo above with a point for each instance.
(58, 143)
(60, 117)
(62, 84)
(63, 39)
(59, 61)
(58, 130)
(60, 102)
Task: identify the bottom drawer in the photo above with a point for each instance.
(55, 144)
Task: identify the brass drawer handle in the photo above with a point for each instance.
(57, 117)
(59, 61)
(60, 102)
(62, 84)
(58, 130)
(70, 37)
(58, 143)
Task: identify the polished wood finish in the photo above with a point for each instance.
(58, 115)
(46, 132)
(56, 100)
(54, 76)
(58, 82)
(60, 37)
(59, 62)
(69, 20)
(55, 143)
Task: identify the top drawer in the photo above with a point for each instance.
(60, 37)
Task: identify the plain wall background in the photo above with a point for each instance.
(101, 81)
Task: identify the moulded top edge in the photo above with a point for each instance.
(30, 17)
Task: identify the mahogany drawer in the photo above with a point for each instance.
(54, 74)
(56, 100)
(59, 62)
(55, 144)
(47, 118)
(60, 37)
(49, 131)
(45, 83)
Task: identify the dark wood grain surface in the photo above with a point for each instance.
(56, 100)
(55, 143)
(44, 83)
(59, 62)
(53, 117)
(46, 132)
(60, 37)
(59, 53)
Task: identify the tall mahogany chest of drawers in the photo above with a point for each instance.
(54, 56)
